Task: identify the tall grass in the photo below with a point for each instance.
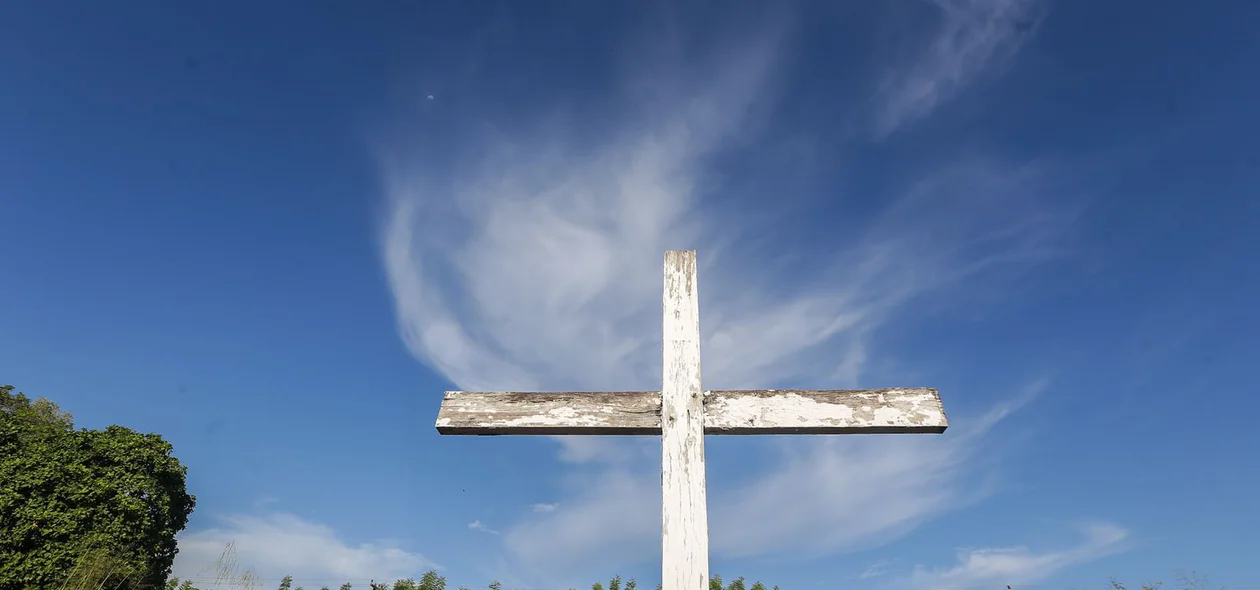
(99, 568)
(102, 569)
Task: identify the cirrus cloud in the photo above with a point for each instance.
(994, 566)
(971, 37)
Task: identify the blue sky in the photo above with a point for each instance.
(275, 233)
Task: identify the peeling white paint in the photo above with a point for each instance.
(725, 412)
(819, 410)
(684, 511)
(556, 417)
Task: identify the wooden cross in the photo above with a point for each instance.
(682, 413)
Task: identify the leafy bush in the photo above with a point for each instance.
(88, 507)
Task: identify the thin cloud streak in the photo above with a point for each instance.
(974, 36)
(875, 570)
(1020, 565)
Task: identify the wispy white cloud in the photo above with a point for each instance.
(477, 525)
(538, 267)
(972, 36)
(1020, 565)
(545, 507)
(275, 545)
(875, 570)
(612, 521)
(551, 249)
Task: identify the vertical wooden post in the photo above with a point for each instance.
(685, 520)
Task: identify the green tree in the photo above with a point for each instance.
(286, 583)
(431, 581)
(72, 498)
(177, 584)
(736, 584)
(40, 418)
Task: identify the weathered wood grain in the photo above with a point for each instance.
(550, 413)
(906, 410)
(684, 508)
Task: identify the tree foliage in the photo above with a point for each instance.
(73, 500)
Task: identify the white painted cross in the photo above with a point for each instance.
(682, 413)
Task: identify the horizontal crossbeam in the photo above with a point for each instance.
(770, 411)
